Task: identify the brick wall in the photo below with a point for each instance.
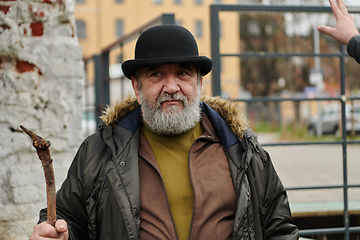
(41, 78)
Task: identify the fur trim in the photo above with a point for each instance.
(117, 111)
(229, 110)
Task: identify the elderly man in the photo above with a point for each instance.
(167, 165)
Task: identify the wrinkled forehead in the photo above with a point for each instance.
(175, 66)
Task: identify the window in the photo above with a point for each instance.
(178, 2)
(80, 29)
(198, 2)
(80, 1)
(119, 25)
(157, 1)
(198, 29)
(217, 1)
(119, 1)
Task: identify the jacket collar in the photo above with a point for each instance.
(223, 130)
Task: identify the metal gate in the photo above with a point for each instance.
(216, 90)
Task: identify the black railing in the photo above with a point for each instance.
(216, 56)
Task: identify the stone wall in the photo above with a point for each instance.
(41, 78)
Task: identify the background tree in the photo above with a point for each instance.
(285, 33)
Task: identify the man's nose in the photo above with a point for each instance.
(171, 85)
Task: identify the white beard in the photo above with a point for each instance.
(177, 120)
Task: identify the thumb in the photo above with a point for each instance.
(61, 226)
(325, 29)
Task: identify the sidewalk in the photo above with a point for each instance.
(316, 165)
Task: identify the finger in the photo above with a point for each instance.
(325, 29)
(335, 9)
(46, 230)
(351, 17)
(62, 229)
(342, 6)
(61, 226)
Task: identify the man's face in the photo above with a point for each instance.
(170, 97)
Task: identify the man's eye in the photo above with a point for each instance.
(155, 74)
(183, 73)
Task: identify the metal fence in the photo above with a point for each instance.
(216, 56)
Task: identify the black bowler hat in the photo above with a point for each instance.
(164, 44)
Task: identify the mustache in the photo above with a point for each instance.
(170, 97)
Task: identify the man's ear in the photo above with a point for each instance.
(135, 85)
(200, 82)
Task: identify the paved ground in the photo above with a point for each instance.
(315, 165)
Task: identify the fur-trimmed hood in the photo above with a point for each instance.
(230, 111)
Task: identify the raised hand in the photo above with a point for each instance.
(345, 27)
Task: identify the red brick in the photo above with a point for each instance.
(4, 9)
(4, 26)
(50, 2)
(24, 66)
(39, 13)
(37, 29)
(73, 32)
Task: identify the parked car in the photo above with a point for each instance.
(329, 120)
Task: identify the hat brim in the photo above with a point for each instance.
(130, 67)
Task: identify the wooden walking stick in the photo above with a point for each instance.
(42, 149)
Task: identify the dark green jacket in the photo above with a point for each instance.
(100, 198)
(353, 48)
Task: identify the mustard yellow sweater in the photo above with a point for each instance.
(172, 156)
